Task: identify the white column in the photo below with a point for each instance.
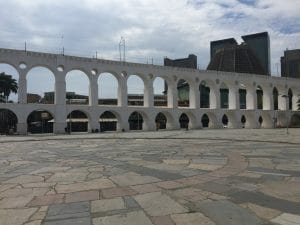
(251, 98)
(214, 98)
(60, 88)
(93, 124)
(194, 96)
(93, 90)
(22, 127)
(233, 98)
(172, 95)
(22, 87)
(282, 101)
(295, 101)
(60, 103)
(148, 94)
(122, 93)
(268, 99)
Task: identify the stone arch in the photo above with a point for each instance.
(77, 121)
(183, 91)
(8, 121)
(108, 89)
(160, 87)
(135, 90)
(109, 121)
(161, 121)
(224, 96)
(265, 121)
(208, 96)
(136, 121)
(225, 121)
(213, 120)
(275, 98)
(77, 87)
(184, 121)
(295, 120)
(10, 69)
(40, 121)
(259, 96)
(44, 92)
(171, 123)
(205, 121)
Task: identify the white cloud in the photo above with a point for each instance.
(153, 29)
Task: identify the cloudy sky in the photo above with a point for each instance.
(153, 29)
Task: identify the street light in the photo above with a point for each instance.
(287, 114)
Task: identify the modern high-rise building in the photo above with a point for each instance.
(290, 63)
(251, 56)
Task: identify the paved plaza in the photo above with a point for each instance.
(200, 177)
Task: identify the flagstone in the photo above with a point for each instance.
(131, 218)
(158, 204)
(85, 186)
(132, 178)
(191, 219)
(15, 216)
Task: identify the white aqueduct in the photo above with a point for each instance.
(60, 65)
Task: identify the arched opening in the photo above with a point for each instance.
(40, 86)
(243, 96)
(160, 95)
(290, 97)
(259, 96)
(13, 75)
(275, 98)
(205, 121)
(107, 89)
(108, 122)
(8, 121)
(135, 89)
(295, 120)
(243, 121)
(161, 121)
(40, 122)
(224, 96)
(225, 121)
(204, 95)
(183, 90)
(135, 121)
(77, 88)
(184, 121)
(77, 121)
(260, 121)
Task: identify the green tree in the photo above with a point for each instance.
(8, 85)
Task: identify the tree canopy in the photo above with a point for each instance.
(8, 85)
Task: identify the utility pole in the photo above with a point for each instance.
(122, 49)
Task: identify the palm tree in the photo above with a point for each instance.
(7, 85)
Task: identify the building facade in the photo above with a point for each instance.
(252, 56)
(290, 63)
(217, 111)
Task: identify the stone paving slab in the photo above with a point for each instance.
(228, 213)
(132, 218)
(287, 219)
(158, 204)
(191, 219)
(160, 178)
